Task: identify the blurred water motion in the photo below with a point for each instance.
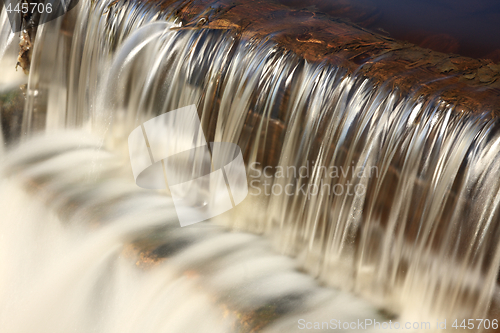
(420, 241)
(85, 250)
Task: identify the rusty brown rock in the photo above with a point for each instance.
(470, 84)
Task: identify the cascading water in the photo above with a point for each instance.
(393, 197)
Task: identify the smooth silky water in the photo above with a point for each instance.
(84, 249)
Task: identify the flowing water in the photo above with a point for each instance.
(389, 196)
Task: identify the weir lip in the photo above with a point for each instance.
(469, 84)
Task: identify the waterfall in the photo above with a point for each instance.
(388, 195)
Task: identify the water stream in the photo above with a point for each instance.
(390, 196)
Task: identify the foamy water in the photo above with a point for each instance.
(83, 249)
